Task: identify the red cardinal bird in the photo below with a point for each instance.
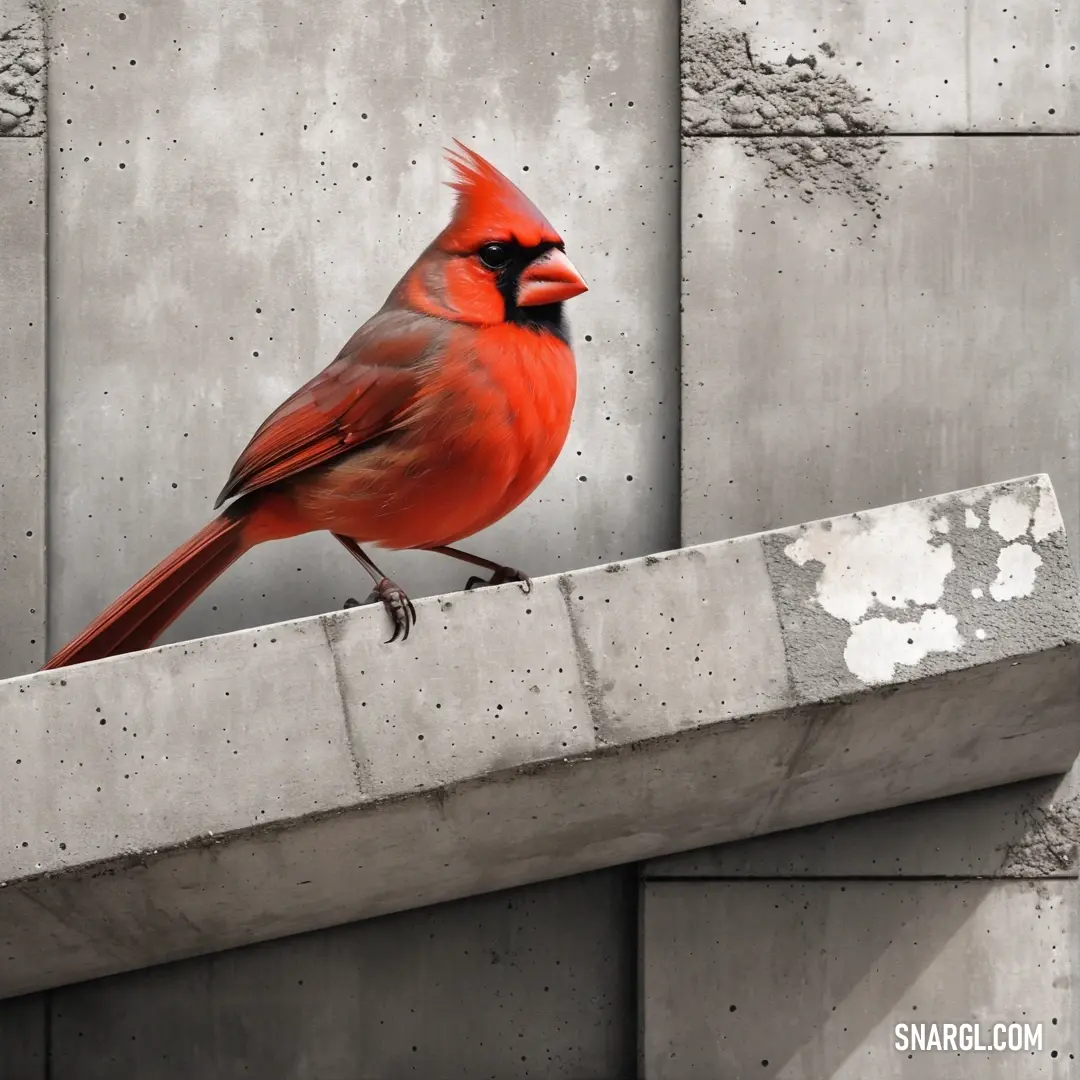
(441, 414)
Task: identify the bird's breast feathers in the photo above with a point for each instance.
(484, 427)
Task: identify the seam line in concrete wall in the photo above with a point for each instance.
(988, 134)
(46, 405)
(680, 257)
(639, 970)
(803, 878)
(967, 63)
(47, 1002)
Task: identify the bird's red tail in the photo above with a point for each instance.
(137, 619)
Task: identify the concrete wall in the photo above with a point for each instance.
(876, 310)
(873, 308)
(809, 978)
(532, 982)
(22, 339)
(232, 191)
(836, 360)
(962, 910)
(235, 188)
(895, 318)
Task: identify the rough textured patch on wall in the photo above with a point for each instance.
(1051, 838)
(22, 68)
(727, 90)
(935, 67)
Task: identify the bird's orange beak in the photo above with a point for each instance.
(549, 279)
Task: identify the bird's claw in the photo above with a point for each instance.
(398, 606)
(501, 576)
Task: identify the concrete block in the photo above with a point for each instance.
(808, 980)
(1027, 830)
(235, 188)
(838, 356)
(827, 68)
(240, 788)
(22, 405)
(22, 70)
(23, 1051)
(537, 982)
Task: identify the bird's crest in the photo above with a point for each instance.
(490, 207)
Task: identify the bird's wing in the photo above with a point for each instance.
(358, 398)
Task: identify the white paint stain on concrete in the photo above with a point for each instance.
(895, 558)
(1009, 516)
(1047, 514)
(1017, 564)
(877, 645)
(883, 558)
(889, 559)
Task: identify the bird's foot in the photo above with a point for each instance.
(398, 606)
(501, 576)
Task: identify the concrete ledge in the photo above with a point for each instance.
(234, 789)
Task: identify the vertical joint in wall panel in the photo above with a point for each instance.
(22, 337)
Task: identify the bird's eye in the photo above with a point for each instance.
(495, 256)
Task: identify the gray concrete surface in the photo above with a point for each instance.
(1028, 830)
(23, 1042)
(1006, 68)
(868, 317)
(807, 979)
(256, 130)
(22, 404)
(965, 67)
(235, 188)
(834, 360)
(262, 783)
(536, 982)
